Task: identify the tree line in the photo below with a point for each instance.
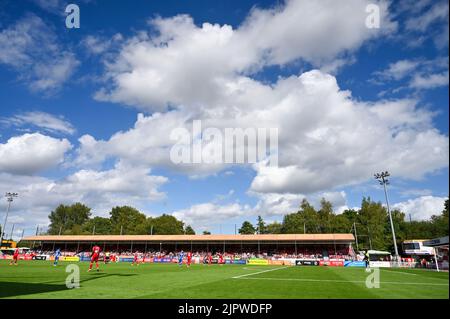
(370, 223)
(76, 220)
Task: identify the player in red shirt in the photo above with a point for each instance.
(94, 257)
(220, 259)
(15, 257)
(135, 260)
(189, 259)
(210, 259)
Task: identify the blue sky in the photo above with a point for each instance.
(348, 101)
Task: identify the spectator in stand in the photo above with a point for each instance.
(424, 263)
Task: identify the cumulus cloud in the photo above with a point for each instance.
(31, 48)
(121, 180)
(271, 205)
(99, 189)
(47, 122)
(300, 29)
(207, 214)
(31, 153)
(276, 204)
(193, 66)
(422, 208)
(337, 141)
(326, 137)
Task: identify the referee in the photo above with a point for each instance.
(366, 259)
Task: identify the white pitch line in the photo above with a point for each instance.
(259, 272)
(253, 268)
(344, 281)
(400, 272)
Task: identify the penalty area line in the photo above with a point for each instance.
(258, 272)
(342, 281)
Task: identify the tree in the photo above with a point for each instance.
(309, 217)
(419, 230)
(325, 216)
(400, 225)
(351, 215)
(305, 219)
(437, 226)
(65, 218)
(167, 225)
(129, 219)
(205, 232)
(260, 226)
(274, 228)
(247, 228)
(189, 230)
(440, 222)
(341, 223)
(373, 216)
(293, 224)
(102, 225)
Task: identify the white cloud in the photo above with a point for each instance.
(197, 66)
(301, 29)
(413, 6)
(429, 81)
(425, 20)
(122, 179)
(415, 192)
(14, 219)
(401, 114)
(327, 138)
(45, 121)
(422, 208)
(222, 197)
(398, 70)
(337, 141)
(207, 214)
(53, 6)
(96, 45)
(31, 153)
(30, 47)
(420, 73)
(271, 205)
(438, 12)
(276, 204)
(100, 190)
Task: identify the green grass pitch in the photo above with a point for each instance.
(39, 279)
